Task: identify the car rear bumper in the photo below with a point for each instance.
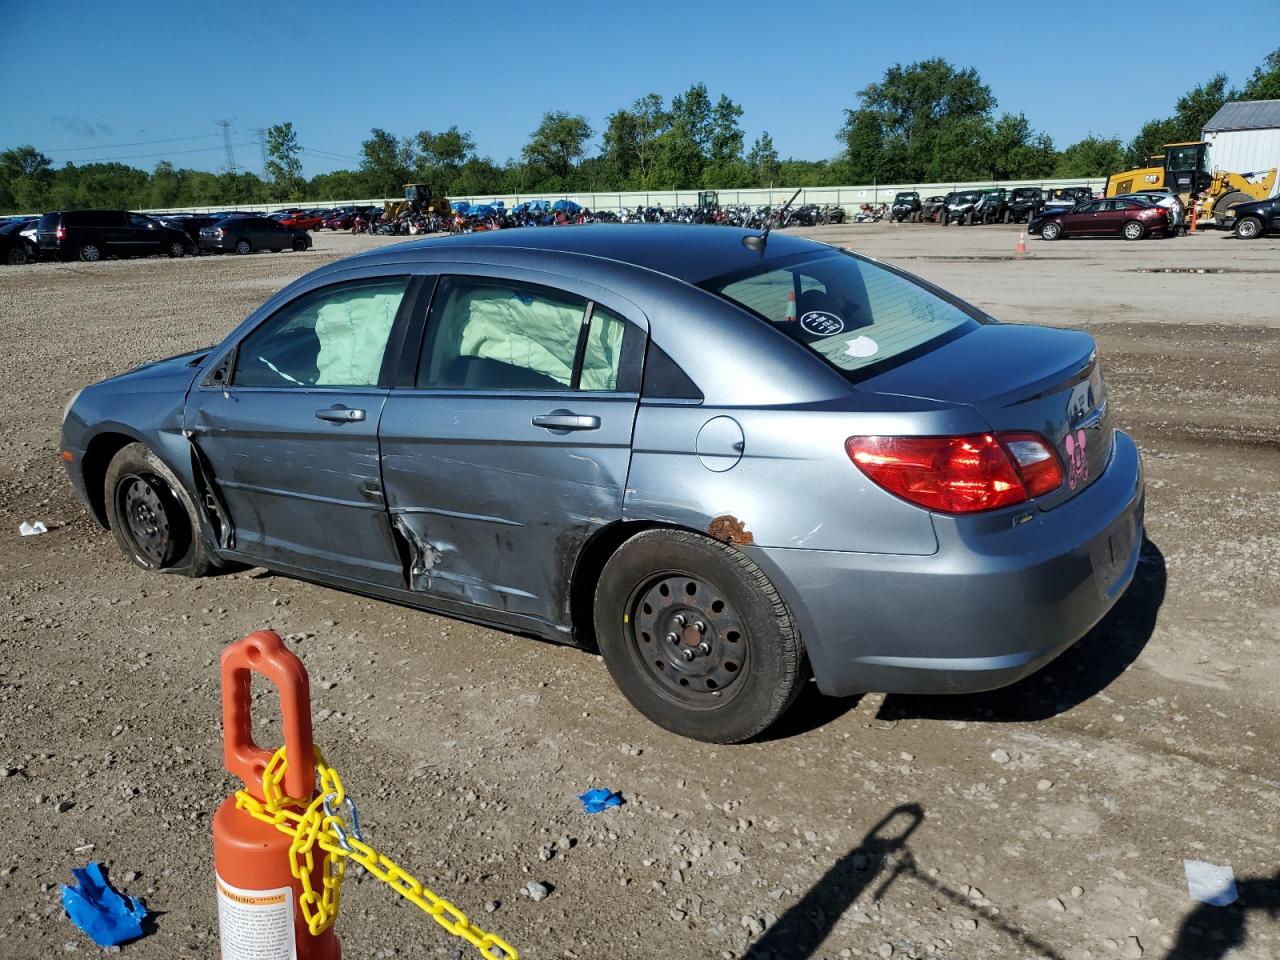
(984, 611)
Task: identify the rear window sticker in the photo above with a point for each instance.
(821, 324)
(861, 347)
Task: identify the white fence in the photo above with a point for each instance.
(848, 197)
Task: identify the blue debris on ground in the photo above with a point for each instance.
(593, 801)
(108, 917)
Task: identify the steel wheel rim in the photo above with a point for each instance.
(139, 501)
(700, 668)
(89, 253)
(1248, 229)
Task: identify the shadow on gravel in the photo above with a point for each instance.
(1211, 933)
(810, 711)
(801, 930)
(1081, 672)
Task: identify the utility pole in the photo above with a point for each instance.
(230, 166)
(262, 145)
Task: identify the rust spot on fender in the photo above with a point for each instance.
(730, 529)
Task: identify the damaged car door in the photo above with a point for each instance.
(286, 428)
(513, 445)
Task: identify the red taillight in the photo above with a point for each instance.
(61, 233)
(968, 474)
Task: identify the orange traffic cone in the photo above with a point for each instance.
(1022, 244)
(258, 913)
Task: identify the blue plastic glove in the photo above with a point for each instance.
(109, 918)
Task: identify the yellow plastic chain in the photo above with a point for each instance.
(317, 824)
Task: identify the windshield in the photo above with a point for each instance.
(966, 197)
(906, 197)
(853, 313)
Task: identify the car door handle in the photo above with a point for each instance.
(340, 414)
(564, 420)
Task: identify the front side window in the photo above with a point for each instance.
(854, 314)
(490, 334)
(335, 337)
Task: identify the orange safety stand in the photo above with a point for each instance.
(257, 892)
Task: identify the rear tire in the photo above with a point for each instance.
(177, 249)
(723, 683)
(89, 253)
(1050, 231)
(1133, 230)
(1248, 228)
(16, 256)
(154, 521)
(299, 246)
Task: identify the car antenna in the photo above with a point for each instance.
(757, 243)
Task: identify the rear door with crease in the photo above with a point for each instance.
(513, 446)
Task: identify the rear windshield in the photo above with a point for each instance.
(853, 313)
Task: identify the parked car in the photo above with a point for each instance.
(906, 206)
(191, 224)
(1163, 198)
(536, 430)
(1252, 219)
(1131, 219)
(1068, 196)
(931, 208)
(1025, 203)
(15, 248)
(303, 221)
(91, 235)
(341, 220)
(992, 207)
(960, 207)
(249, 234)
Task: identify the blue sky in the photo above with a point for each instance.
(141, 81)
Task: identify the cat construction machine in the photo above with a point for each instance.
(1184, 169)
(417, 199)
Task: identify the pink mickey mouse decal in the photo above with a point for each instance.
(1078, 466)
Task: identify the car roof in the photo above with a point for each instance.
(689, 252)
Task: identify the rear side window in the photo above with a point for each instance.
(335, 337)
(854, 314)
(499, 335)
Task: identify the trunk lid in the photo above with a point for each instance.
(1021, 378)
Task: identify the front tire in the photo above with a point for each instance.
(154, 521)
(299, 245)
(244, 247)
(16, 256)
(736, 663)
(177, 249)
(1248, 228)
(1133, 230)
(1050, 231)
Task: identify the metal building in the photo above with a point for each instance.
(1244, 136)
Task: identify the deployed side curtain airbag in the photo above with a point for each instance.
(353, 332)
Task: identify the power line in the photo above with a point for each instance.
(163, 153)
(226, 140)
(137, 143)
(262, 144)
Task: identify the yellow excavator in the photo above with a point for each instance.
(1184, 169)
(418, 199)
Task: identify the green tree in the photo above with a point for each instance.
(1191, 113)
(1264, 84)
(925, 118)
(1092, 156)
(387, 163)
(284, 162)
(763, 161)
(632, 141)
(1017, 152)
(441, 157)
(25, 178)
(557, 144)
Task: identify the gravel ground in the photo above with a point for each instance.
(1047, 820)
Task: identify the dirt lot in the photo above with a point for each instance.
(1047, 820)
